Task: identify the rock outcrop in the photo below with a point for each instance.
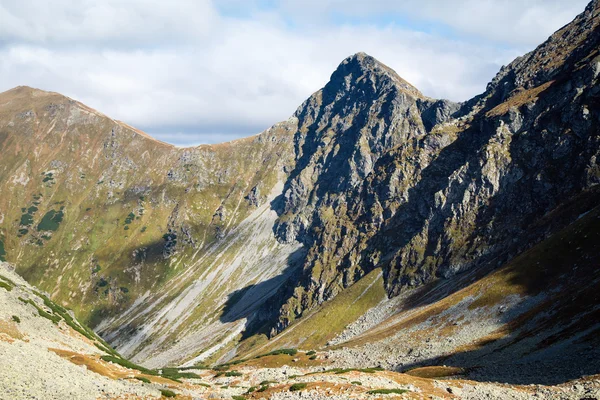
(426, 189)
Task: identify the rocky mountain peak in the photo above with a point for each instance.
(365, 110)
(568, 49)
(362, 66)
(389, 179)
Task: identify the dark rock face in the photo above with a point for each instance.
(364, 111)
(385, 177)
(436, 112)
(254, 198)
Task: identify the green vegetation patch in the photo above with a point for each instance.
(176, 374)
(345, 370)
(2, 251)
(387, 391)
(173, 374)
(57, 313)
(238, 397)
(6, 286)
(289, 352)
(331, 318)
(226, 366)
(51, 221)
(62, 312)
(5, 279)
(197, 366)
(233, 373)
(141, 378)
(16, 319)
(43, 313)
(167, 393)
(297, 386)
(129, 218)
(127, 364)
(102, 282)
(26, 219)
(48, 177)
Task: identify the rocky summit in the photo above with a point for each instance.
(378, 243)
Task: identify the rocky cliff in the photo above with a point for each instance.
(426, 189)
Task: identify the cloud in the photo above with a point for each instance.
(190, 72)
(516, 22)
(106, 22)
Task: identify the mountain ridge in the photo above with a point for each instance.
(364, 61)
(167, 248)
(490, 121)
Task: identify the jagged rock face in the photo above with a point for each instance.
(365, 110)
(452, 190)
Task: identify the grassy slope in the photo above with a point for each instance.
(119, 193)
(314, 330)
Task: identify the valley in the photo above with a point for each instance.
(377, 244)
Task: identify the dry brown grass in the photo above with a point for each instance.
(426, 386)
(518, 99)
(435, 372)
(427, 389)
(9, 332)
(94, 364)
(327, 388)
(99, 366)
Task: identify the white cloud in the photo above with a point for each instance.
(191, 73)
(517, 22)
(110, 22)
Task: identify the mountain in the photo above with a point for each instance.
(371, 220)
(436, 195)
(109, 220)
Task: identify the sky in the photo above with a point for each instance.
(206, 71)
